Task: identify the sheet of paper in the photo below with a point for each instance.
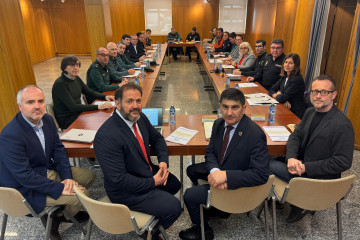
(233, 75)
(181, 135)
(251, 103)
(261, 98)
(228, 66)
(136, 74)
(151, 51)
(217, 60)
(241, 85)
(219, 55)
(277, 133)
(101, 102)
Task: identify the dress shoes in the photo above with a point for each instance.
(194, 233)
(297, 214)
(54, 229)
(81, 217)
(214, 212)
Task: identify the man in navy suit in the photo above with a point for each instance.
(236, 157)
(33, 160)
(122, 149)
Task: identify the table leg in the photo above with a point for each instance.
(181, 181)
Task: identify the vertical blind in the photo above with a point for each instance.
(232, 15)
(158, 16)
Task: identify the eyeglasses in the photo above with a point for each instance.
(258, 46)
(134, 39)
(276, 48)
(243, 48)
(103, 55)
(322, 92)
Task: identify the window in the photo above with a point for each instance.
(158, 16)
(232, 15)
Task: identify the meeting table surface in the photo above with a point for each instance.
(93, 120)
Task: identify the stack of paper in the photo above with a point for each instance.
(181, 135)
(277, 133)
(228, 66)
(217, 60)
(101, 102)
(256, 99)
(241, 85)
(136, 74)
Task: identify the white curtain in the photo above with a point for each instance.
(232, 15)
(158, 16)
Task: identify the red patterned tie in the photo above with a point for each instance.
(225, 143)
(141, 142)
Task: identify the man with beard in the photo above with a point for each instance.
(122, 149)
(322, 146)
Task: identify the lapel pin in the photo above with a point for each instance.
(240, 134)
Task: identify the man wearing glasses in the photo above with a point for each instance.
(260, 48)
(321, 147)
(269, 74)
(133, 51)
(99, 77)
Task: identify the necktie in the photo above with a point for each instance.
(141, 142)
(225, 143)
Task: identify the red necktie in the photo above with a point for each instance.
(141, 142)
(225, 143)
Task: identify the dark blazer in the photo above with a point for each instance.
(133, 55)
(330, 149)
(246, 159)
(293, 92)
(23, 164)
(127, 175)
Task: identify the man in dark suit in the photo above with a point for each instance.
(122, 149)
(33, 160)
(134, 52)
(236, 157)
(322, 145)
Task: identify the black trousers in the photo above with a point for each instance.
(161, 202)
(193, 198)
(191, 49)
(197, 171)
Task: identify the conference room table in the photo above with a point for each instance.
(94, 119)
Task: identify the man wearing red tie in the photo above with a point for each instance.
(122, 149)
(236, 157)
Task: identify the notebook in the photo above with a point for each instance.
(155, 116)
(79, 135)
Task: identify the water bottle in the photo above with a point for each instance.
(215, 63)
(201, 43)
(219, 115)
(227, 83)
(137, 82)
(159, 48)
(158, 45)
(148, 63)
(172, 114)
(142, 72)
(154, 58)
(272, 109)
(208, 55)
(236, 86)
(220, 68)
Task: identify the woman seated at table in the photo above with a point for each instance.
(290, 88)
(67, 90)
(246, 58)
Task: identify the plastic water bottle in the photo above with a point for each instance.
(272, 109)
(215, 62)
(154, 57)
(208, 55)
(219, 115)
(148, 63)
(137, 81)
(227, 83)
(158, 45)
(236, 86)
(159, 48)
(220, 68)
(142, 72)
(172, 114)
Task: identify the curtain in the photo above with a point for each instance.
(317, 38)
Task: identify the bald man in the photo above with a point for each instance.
(114, 64)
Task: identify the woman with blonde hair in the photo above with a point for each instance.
(246, 57)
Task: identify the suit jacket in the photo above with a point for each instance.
(131, 54)
(248, 61)
(23, 164)
(329, 151)
(127, 175)
(293, 92)
(246, 159)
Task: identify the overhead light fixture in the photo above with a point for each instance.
(62, 1)
(42, 0)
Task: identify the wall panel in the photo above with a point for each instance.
(15, 64)
(38, 29)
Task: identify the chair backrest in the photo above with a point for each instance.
(242, 199)
(50, 111)
(315, 194)
(12, 202)
(109, 217)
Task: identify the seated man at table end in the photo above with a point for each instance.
(122, 149)
(172, 37)
(67, 90)
(33, 160)
(237, 156)
(99, 77)
(322, 146)
(193, 36)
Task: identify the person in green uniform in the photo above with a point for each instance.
(123, 61)
(113, 63)
(99, 77)
(67, 90)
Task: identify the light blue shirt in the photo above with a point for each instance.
(39, 131)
